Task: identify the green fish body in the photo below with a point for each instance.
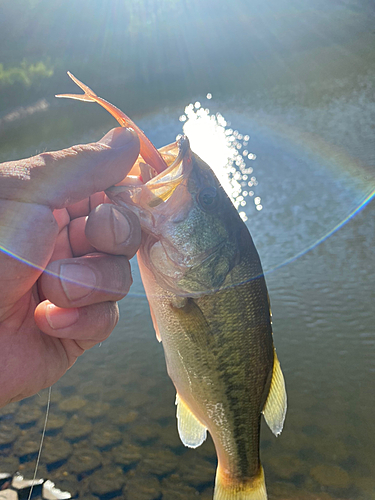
(210, 308)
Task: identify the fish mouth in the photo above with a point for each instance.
(147, 190)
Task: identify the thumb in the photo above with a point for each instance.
(30, 189)
(61, 178)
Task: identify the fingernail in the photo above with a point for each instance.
(60, 318)
(118, 137)
(77, 280)
(120, 226)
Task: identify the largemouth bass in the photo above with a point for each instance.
(209, 305)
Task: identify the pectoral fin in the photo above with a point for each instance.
(155, 324)
(275, 408)
(192, 432)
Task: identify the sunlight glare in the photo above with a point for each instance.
(221, 147)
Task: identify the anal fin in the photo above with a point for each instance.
(275, 408)
(192, 432)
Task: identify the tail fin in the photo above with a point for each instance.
(249, 490)
(148, 151)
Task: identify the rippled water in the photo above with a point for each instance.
(112, 432)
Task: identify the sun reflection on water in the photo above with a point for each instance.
(225, 150)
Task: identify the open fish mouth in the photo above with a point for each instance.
(150, 194)
(160, 186)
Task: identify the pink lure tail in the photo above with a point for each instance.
(147, 150)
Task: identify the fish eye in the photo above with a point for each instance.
(208, 198)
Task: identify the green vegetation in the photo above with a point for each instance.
(26, 74)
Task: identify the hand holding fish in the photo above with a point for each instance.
(64, 258)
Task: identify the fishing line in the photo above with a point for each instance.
(41, 442)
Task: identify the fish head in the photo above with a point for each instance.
(190, 226)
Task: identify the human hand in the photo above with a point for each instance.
(61, 271)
